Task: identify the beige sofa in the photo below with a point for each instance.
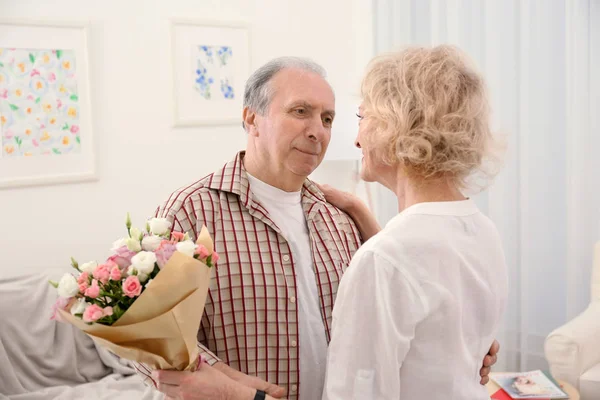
(573, 350)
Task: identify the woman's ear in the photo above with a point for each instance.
(250, 121)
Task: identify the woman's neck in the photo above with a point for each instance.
(410, 191)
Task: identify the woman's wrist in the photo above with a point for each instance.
(356, 207)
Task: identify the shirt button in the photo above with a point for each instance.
(294, 388)
(294, 343)
(293, 299)
(286, 258)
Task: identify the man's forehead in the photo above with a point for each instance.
(303, 86)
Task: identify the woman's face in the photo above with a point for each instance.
(373, 169)
(365, 131)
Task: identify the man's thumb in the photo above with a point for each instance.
(274, 390)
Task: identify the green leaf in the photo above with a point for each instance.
(58, 54)
(55, 284)
(65, 127)
(56, 151)
(78, 140)
(38, 100)
(1, 65)
(13, 107)
(117, 312)
(74, 97)
(31, 58)
(74, 264)
(18, 140)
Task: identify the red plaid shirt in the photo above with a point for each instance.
(250, 319)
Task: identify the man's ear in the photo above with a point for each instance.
(250, 121)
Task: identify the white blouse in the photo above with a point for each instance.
(419, 307)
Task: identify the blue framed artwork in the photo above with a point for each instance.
(210, 66)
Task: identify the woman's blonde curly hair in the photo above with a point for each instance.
(429, 111)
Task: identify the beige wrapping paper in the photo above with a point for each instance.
(161, 326)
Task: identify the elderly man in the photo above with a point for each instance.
(283, 247)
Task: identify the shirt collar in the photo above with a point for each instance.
(233, 178)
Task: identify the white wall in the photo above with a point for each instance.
(141, 159)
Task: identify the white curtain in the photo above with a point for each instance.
(541, 60)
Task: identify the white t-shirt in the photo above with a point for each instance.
(285, 209)
(419, 307)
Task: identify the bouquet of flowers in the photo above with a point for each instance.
(145, 302)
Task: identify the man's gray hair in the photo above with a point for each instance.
(258, 92)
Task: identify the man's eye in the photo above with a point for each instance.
(300, 111)
(359, 116)
(328, 121)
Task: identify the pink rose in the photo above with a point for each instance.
(92, 313)
(102, 273)
(83, 278)
(164, 253)
(74, 129)
(115, 273)
(215, 257)
(202, 251)
(83, 287)
(108, 311)
(94, 290)
(132, 286)
(177, 236)
(122, 257)
(51, 77)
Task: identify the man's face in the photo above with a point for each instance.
(295, 132)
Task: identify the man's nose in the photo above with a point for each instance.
(317, 131)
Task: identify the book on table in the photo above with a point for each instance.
(536, 385)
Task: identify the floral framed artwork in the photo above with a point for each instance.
(45, 118)
(211, 63)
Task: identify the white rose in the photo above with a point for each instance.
(68, 286)
(88, 267)
(117, 244)
(131, 270)
(134, 244)
(187, 247)
(79, 306)
(151, 243)
(159, 226)
(143, 262)
(135, 233)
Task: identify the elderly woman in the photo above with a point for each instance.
(422, 300)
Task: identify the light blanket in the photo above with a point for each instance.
(45, 359)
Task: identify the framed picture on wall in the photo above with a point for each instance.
(46, 132)
(210, 62)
